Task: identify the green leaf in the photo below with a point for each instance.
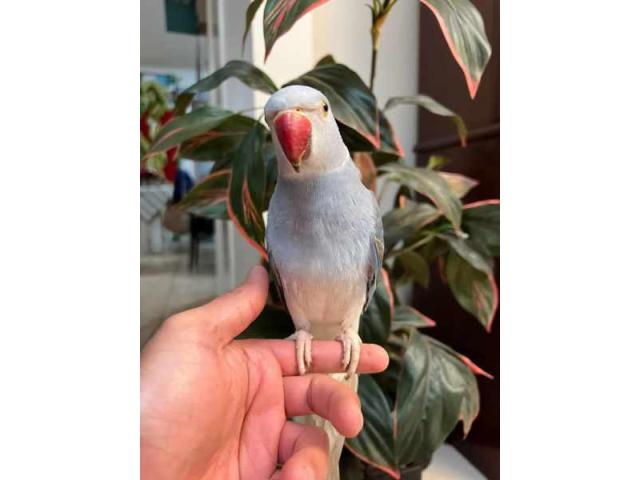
(411, 400)
(273, 322)
(407, 316)
(395, 347)
(187, 126)
(459, 184)
(216, 144)
(431, 184)
(463, 29)
(452, 395)
(326, 60)
(212, 190)
(400, 223)
(481, 220)
(376, 320)
(466, 251)
(252, 9)
(281, 15)
(390, 148)
(389, 143)
(430, 105)
(437, 161)
(216, 211)
(247, 73)
(375, 443)
(476, 291)
(414, 267)
(352, 103)
(247, 190)
(433, 249)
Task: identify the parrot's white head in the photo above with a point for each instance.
(305, 133)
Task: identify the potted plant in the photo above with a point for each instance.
(411, 408)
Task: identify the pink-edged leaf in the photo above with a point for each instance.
(389, 141)
(459, 184)
(244, 232)
(245, 72)
(281, 15)
(429, 183)
(466, 249)
(481, 220)
(431, 105)
(453, 394)
(463, 29)
(411, 399)
(476, 291)
(188, 126)
(376, 320)
(252, 9)
(247, 188)
(436, 390)
(401, 223)
(482, 203)
(374, 444)
(209, 192)
(406, 315)
(216, 144)
(474, 368)
(387, 286)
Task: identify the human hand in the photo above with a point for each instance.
(216, 408)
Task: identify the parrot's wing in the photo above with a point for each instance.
(375, 261)
(276, 278)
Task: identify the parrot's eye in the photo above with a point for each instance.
(325, 107)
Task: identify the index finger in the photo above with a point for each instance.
(326, 356)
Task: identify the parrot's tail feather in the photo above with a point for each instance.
(336, 441)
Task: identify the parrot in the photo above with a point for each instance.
(324, 237)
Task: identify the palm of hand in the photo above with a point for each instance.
(207, 434)
(216, 408)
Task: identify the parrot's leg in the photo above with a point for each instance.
(350, 350)
(303, 349)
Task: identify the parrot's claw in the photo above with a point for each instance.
(303, 350)
(350, 350)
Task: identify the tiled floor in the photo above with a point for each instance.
(167, 286)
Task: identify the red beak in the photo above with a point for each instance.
(294, 134)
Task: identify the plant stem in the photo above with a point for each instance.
(374, 62)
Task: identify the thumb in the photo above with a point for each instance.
(230, 314)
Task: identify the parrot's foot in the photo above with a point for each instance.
(350, 350)
(303, 350)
